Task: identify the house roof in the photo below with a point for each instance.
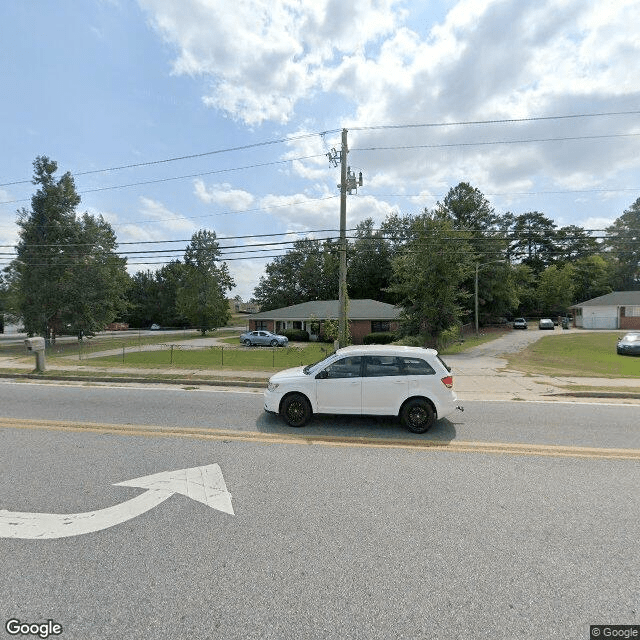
(615, 299)
(330, 309)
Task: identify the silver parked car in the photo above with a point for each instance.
(546, 323)
(265, 338)
(629, 345)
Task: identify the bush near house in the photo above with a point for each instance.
(379, 338)
(296, 335)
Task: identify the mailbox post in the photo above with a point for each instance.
(36, 345)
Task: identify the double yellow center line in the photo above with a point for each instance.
(457, 446)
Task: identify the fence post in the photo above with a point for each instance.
(222, 352)
(171, 355)
(123, 348)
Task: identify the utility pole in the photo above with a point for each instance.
(342, 285)
(348, 183)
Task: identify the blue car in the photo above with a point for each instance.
(265, 338)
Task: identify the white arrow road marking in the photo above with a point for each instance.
(204, 484)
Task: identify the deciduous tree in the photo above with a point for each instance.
(428, 275)
(308, 271)
(623, 241)
(369, 264)
(555, 289)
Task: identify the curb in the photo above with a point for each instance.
(251, 384)
(598, 394)
(176, 381)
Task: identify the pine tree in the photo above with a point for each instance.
(66, 277)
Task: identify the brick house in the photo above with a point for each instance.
(617, 310)
(365, 317)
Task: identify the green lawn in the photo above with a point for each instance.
(576, 354)
(106, 342)
(257, 358)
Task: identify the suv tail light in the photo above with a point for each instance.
(448, 382)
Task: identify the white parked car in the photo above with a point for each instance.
(410, 382)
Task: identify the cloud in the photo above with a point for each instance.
(299, 212)
(484, 60)
(261, 57)
(154, 222)
(224, 195)
(8, 232)
(244, 273)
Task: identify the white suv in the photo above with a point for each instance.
(410, 382)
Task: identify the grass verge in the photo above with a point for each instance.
(590, 355)
(218, 357)
(470, 342)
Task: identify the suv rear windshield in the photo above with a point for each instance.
(444, 364)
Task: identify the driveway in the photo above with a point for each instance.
(481, 373)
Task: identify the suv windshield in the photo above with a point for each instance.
(308, 368)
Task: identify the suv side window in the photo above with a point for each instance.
(382, 366)
(345, 368)
(417, 367)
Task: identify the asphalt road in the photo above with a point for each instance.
(581, 424)
(328, 540)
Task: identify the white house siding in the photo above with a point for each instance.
(600, 318)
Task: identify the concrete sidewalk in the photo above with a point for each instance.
(487, 378)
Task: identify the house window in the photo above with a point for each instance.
(261, 325)
(297, 324)
(380, 326)
(632, 312)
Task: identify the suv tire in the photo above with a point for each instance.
(417, 415)
(296, 410)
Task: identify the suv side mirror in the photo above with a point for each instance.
(322, 375)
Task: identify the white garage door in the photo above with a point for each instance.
(600, 322)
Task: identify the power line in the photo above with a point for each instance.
(587, 234)
(501, 121)
(178, 158)
(322, 134)
(183, 177)
(222, 213)
(506, 193)
(495, 142)
(187, 240)
(227, 250)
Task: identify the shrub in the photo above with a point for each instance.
(446, 337)
(411, 341)
(379, 338)
(296, 335)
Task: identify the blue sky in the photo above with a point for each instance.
(98, 84)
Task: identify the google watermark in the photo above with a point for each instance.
(626, 631)
(43, 630)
